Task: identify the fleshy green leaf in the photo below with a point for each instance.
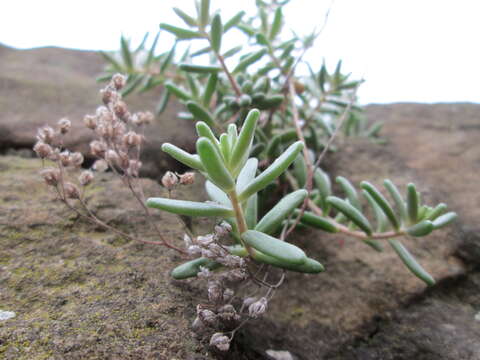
(412, 203)
(382, 202)
(318, 222)
(181, 34)
(216, 194)
(178, 92)
(436, 212)
(251, 211)
(187, 19)
(210, 89)
(204, 130)
(310, 266)
(423, 228)
(200, 113)
(273, 219)
(192, 268)
(242, 147)
(233, 21)
(201, 69)
(351, 213)
(247, 174)
(410, 262)
(204, 12)
(379, 214)
(350, 191)
(273, 171)
(277, 24)
(281, 250)
(249, 60)
(216, 33)
(444, 219)
(190, 208)
(214, 165)
(126, 54)
(183, 156)
(397, 198)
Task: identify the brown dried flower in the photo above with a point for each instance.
(100, 165)
(65, 158)
(71, 191)
(42, 150)
(118, 81)
(132, 139)
(187, 179)
(169, 180)
(46, 134)
(64, 125)
(134, 167)
(85, 177)
(220, 341)
(90, 121)
(51, 176)
(76, 159)
(98, 148)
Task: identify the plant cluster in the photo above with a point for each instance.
(263, 131)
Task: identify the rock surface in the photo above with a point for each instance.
(79, 292)
(41, 86)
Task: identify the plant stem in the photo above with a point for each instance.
(241, 223)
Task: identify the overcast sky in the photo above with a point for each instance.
(408, 50)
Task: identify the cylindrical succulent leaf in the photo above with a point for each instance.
(423, 228)
(444, 219)
(216, 33)
(210, 89)
(178, 92)
(382, 203)
(200, 113)
(247, 174)
(180, 33)
(351, 213)
(216, 194)
(281, 250)
(273, 171)
(317, 222)
(410, 262)
(242, 147)
(350, 191)
(436, 212)
(184, 157)
(214, 165)
(190, 208)
(412, 203)
(249, 60)
(397, 198)
(192, 268)
(273, 219)
(204, 130)
(201, 69)
(310, 266)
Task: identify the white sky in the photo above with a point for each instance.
(407, 50)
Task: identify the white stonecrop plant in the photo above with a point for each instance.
(233, 184)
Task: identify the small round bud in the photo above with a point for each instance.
(187, 179)
(169, 180)
(142, 118)
(208, 317)
(220, 341)
(42, 150)
(111, 157)
(108, 95)
(258, 307)
(215, 291)
(299, 87)
(120, 109)
(71, 191)
(51, 176)
(46, 134)
(65, 158)
(76, 159)
(98, 148)
(134, 167)
(85, 177)
(90, 121)
(118, 81)
(64, 125)
(100, 165)
(132, 139)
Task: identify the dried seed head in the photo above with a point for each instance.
(236, 275)
(223, 229)
(71, 191)
(120, 109)
(118, 81)
(112, 157)
(65, 158)
(132, 139)
(76, 159)
(108, 95)
(98, 148)
(46, 134)
(142, 118)
(54, 155)
(64, 125)
(169, 180)
(187, 179)
(204, 240)
(232, 261)
(90, 121)
(208, 317)
(124, 160)
(51, 176)
(220, 341)
(100, 165)
(42, 150)
(204, 273)
(249, 301)
(194, 250)
(228, 294)
(85, 177)
(258, 307)
(198, 326)
(228, 312)
(134, 168)
(215, 291)
(102, 112)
